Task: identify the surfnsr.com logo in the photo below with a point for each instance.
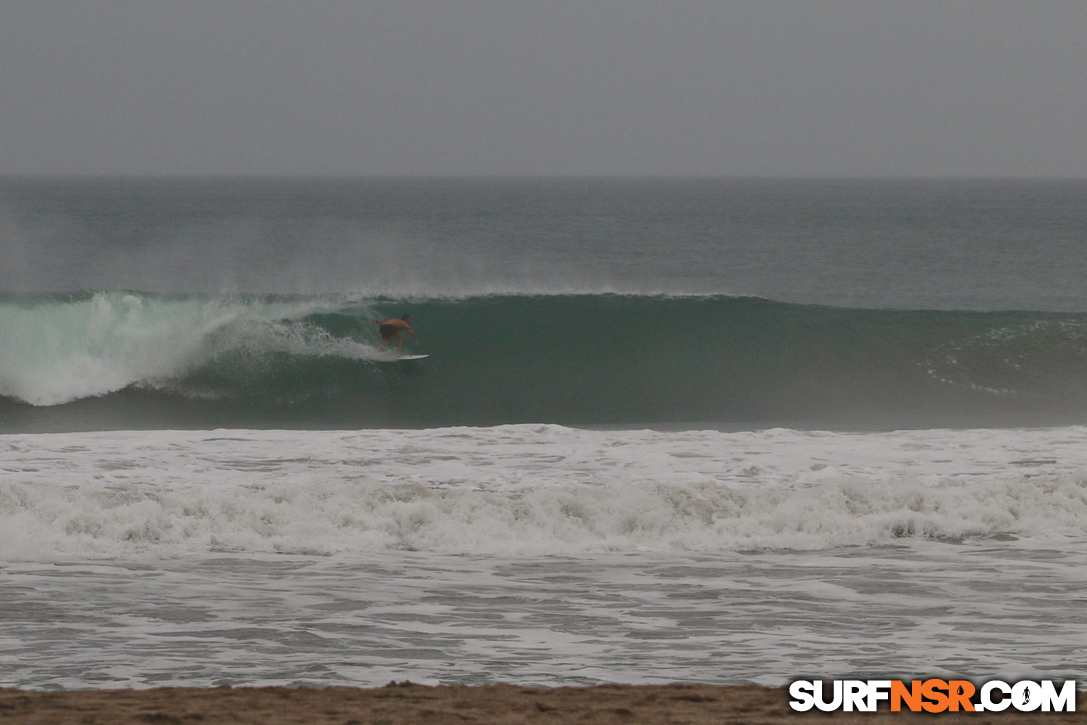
(933, 696)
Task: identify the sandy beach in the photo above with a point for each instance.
(402, 703)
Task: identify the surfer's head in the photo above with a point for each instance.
(406, 318)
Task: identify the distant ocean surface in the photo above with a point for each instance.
(690, 429)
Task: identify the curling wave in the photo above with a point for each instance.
(122, 360)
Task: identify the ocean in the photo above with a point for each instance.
(668, 430)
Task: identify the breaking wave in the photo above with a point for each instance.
(127, 359)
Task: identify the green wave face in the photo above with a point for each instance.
(131, 360)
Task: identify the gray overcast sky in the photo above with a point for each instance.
(548, 87)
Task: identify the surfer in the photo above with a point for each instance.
(394, 329)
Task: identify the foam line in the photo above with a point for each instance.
(531, 489)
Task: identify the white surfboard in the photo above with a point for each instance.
(401, 358)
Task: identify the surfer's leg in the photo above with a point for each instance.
(388, 332)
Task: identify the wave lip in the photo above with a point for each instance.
(63, 349)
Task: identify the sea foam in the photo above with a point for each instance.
(530, 489)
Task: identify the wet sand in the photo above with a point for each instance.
(397, 704)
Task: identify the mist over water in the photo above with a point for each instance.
(967, 245)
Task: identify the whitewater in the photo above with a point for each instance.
(538, 490)
(676, 430)
(540, 554)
